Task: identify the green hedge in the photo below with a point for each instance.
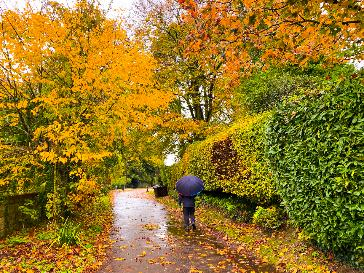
(316, 149)
(232, 162)
(265, 89)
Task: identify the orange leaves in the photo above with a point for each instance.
(300, 33)
(87, 186)
(248, 3)
(73, 85)
(269, 54)
(189, 5)
(22, 104)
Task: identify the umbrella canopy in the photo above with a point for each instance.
(189, 185)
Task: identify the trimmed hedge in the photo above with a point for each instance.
(232, 162)
(316, 149)
(265, 89)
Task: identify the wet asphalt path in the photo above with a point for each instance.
(146, 239)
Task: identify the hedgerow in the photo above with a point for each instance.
(265, 89)
(314, 144)
(316, 149)
(232, 162)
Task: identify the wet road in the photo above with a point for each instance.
(146, 239)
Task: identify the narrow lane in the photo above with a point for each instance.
(146, 239)
(139, 235)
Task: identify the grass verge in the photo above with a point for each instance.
(39, 249)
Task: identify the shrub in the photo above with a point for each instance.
(30, 212)
(102, 203)
(316, 149)
(268, 218)
(68, 233)
(232, 206)
(232, 162)
(265, 89)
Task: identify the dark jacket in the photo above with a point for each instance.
(187, 201)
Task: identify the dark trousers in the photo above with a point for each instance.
(188, 216)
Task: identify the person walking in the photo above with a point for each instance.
(188, 203)
(188, 187)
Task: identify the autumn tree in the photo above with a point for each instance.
(229, 40)
(201, 97)
(72, 85)
(194, 78)
(257, 34)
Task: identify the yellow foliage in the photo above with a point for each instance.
(232, 161)
(71, 88)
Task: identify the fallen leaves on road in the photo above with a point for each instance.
(151, 226)
(283, 249)
(160, 260)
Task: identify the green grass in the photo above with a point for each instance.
(16, 240)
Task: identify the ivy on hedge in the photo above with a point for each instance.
(232, 161)
(316, 149)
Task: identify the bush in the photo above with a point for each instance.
(316, 149)
(232, 162)
(30, 212)
(265, 89)
(68, 233)
(268, 218)
(101, 204)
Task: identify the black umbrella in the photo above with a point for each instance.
(189, 185)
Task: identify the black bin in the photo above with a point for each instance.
(160, 191)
